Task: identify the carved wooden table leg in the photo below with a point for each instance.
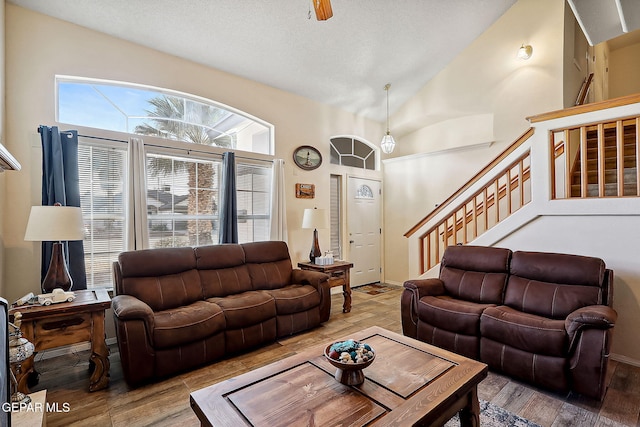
(346, 292)
(99, 354)
(470, 414)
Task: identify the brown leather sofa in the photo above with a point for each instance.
(545, 318)
(178, 308)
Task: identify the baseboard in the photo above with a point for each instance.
(70, 349)
(394, 283)
(624, 359)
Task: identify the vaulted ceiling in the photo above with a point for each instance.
(344, 61)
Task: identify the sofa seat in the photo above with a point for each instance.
(184, 324)
(246, 309)
(451, 314)
(295, 298)
(524, 331)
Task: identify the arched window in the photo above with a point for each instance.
(350, 151)
(145, 110)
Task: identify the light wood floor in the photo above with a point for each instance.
(166, 403)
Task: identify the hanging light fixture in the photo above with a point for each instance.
(388, 143)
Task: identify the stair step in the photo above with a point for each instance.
(609, 190)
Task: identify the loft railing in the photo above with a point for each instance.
(596, 160)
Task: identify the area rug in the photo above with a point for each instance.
(494, 416)
(375, 288)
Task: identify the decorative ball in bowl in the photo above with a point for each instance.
(350, 358)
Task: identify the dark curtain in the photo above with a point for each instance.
(61, 184)
(228, 204)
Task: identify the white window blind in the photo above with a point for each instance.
(102, 172)
(334, 213)
(253, 191)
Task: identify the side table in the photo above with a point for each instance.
(339, 276)
(68, 323)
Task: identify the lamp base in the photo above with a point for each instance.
(315, 247)
(58, 275)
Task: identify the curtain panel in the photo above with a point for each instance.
(228, 201)
(137, 233)
(60, 184)
(278, 226)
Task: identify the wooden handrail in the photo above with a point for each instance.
(586, 108)
(517, 143)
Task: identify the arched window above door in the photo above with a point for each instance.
(350, 151)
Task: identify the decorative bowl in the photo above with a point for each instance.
(349, 373)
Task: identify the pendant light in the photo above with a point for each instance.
(388, 143)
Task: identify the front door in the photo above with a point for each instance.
(364, 229)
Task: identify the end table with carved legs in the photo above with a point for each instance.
(339, 276)
(64, 324)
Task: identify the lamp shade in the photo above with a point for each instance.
(54, 224)
(315, 218)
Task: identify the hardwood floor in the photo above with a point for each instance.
(166, 403)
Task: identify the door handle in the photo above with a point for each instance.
(351, 241)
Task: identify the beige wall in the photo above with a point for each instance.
(624, 69)
(486, 78)
(39, 47)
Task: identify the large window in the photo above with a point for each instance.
(144, 110)
(182, 179)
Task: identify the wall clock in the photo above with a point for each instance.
(307, 157)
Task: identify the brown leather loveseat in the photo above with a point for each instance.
(177, 308)
(545, 318)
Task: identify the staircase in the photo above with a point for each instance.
(610, 157)
(589, 152)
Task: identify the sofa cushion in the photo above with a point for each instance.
(475, 273)
(185, 324)
(295, 298)
(268, 263)
(527, 332)
(553, 285)
(247, 308)
(163, 278)
(451, 314)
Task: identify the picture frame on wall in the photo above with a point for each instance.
(307, 157)
(305, 191)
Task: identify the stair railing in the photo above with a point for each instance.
(499, 197)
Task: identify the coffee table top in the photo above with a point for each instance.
(409, 382)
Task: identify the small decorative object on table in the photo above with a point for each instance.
(56, 296)
(350, 357)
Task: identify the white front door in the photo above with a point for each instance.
(364, 229)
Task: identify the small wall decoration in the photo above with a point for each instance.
(307, 157)
(305, 191)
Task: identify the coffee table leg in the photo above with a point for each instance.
(470, 414)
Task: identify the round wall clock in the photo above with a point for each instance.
(307, 157)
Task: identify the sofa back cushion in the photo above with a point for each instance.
(163, 278)
(269, 264)
(222, 270)
(475, 273)
(553, 285)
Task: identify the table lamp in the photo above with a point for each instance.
(314, 218)
(55, 224)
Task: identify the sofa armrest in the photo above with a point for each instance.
(127, 307)
(593, 316)
(308, 277)
(425, 287)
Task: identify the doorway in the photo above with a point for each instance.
(364, 229)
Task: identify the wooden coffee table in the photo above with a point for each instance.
(409, 383)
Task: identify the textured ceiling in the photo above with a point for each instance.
(344, 62)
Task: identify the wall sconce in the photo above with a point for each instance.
(525, 51)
